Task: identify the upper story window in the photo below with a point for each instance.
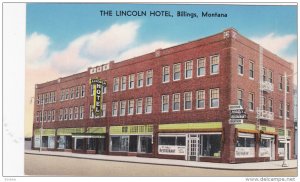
(123, 83)
(114, 108)
(270, 76)
(139, 106)
(122, 108)
(166, 74)
(288, 110)
(72, 93)
(67, 94)
(70, 113)
(251, 70)
(280, 82)
(251, 101)
(104, 89)
(201, 67)
(92, 111)
(240, 97)
(188, 70)
(140, 79)
(131, 81)
(281, 109)
(76, 113)
(176, 102)
(130, 107)
(61, 114)
(148, 107)
(270, 104)
(103, 112)
(149, 77)
(214, 98)
(187, 100)
(116, 84)
(82, 90)
(264, 74)
(241, 66)
(176, 71)
(287, 85)
(66, 114)
(77, 92)
(214, 64)
(200, 96)
(81, 112)
(53, 115)
(165, 103)
(49, 116)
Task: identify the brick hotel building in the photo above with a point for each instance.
(174, 103)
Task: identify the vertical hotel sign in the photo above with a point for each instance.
(97, 91)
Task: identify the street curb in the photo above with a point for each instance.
(163, 164)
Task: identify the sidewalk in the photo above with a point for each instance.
(273, 165)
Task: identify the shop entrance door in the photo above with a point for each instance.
(272, 149)
(193, 148)
(100, 144)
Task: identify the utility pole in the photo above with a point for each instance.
(285, 164)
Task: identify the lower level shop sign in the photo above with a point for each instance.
(171, 150)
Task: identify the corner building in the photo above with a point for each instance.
(174, 103)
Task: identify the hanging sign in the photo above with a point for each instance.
(237, 114)
(97, 89)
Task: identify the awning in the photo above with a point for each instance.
(190, 126)
(87, 135)
(69, 131)
(45, 132)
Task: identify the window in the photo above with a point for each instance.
(176, 72)
(66, 114)
(92, 111)
(270, 76)
(148, 107)
(122, 107)
(201, 67)
(114, 108)
(81, 112)
(211, 145)
(140, 79)
(287, 85)
(145, 144)
(92, 90)
(131, 81)
(172, 140)
(45, 116)
(38, 100)
(200, 103)
(264, 74)
(149, 77)
(214, 64)
(264, 103)
(91, 144)
(241, 66)
(176, 102)
(240, 97)
(83, 91)
(41, 116)
(75, 112)
(37, 117)
(251, 101)
(281, 109)
(270, 104)
(72, 93)
(281, 82)
(70, 113)
(214, 98)
(251, 70)
(245, 141)
(104, 89)
(46, 98)
(123, 83)
(166, 74)
(77, 92)
(103, 113)
(187, 100)
(61, 114)
(188, 71)
(139, 106)
(119, 143)
(130, 107)
(67, 94)
(79, 143)
(116, 84)
(49, 116)
(165, 103)
(50, 97)
(288, 110)
(53, 115)
(62, 96)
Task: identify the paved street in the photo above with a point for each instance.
(53, 165)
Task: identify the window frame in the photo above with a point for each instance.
(211, 64)
(204, 66)
(162, 103)
(174, 71)
(173, 102)
(197, 99)
(210, 98)
(186, 69)
(163, 74)
(184, 101)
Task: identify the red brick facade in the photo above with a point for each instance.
(229, 46)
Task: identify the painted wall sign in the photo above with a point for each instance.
(171, 150)
(97, 84)
(264, 152)
(244, 152)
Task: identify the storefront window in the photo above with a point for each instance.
(61, 142)
(51, 142)
(211, 145)
(79, 143)
(45, 141)
(91, 143)
(68, 143)
(245, 142)
(264, 143)
(167, 140)
(119, 143)
(245, 146)
(172, 145)
(146, 144)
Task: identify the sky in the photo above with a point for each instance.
(63, 39)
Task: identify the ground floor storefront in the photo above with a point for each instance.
(205, 141)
